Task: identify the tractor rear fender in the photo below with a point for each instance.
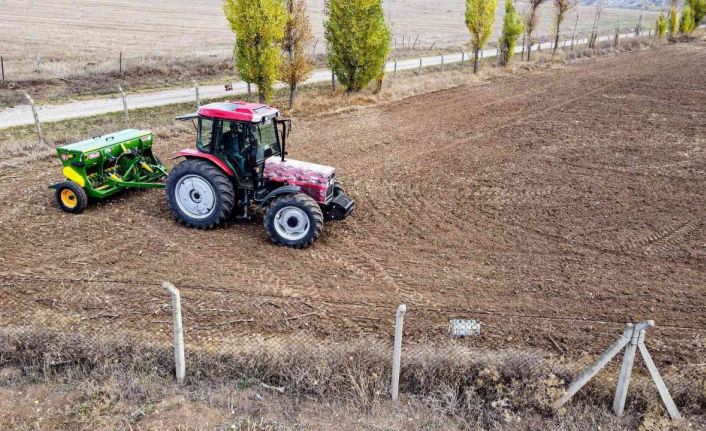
(190, 153)
(284, 190)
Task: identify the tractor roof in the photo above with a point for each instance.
(234, 111)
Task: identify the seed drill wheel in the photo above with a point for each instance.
(294, 220)
(200, 195)
(71, 197)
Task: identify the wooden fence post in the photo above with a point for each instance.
(36, 120)
(2, 67)
(397, 352)
(178, 329)
(39, 64)
(333, 81)
(127, 114)
(120, 62)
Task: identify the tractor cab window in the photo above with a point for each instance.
(205, 139)
(265, 134)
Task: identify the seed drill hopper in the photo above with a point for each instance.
(105, 165)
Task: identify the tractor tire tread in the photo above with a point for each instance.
(303, 201)
(221, 183)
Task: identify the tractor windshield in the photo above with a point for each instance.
(266, 138)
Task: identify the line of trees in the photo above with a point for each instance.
(692, 14)
(272, 37)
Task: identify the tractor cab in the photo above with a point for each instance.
(239, 162)
(241, 136)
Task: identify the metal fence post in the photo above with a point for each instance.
(120, 62)
(397, 352)
(179, 358)
(333, 81)
(394, 72)
(127, 114)
(2, 67)
(442, 62)
(36, 120)
(463, 56)
(420, 65)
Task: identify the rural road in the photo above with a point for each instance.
(22, 114)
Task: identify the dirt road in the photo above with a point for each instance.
(533, 201)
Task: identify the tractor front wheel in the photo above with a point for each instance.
(294, 220)
(199, 194)
(71, 197)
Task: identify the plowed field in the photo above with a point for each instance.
(558, 202)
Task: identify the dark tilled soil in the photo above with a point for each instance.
(552, 205)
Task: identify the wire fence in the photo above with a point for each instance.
(461, 357)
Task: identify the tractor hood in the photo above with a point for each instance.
(312, 178)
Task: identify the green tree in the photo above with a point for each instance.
(358, 41)
(687, 24)
(480, 16)
(673, 22)
(295, 66)
(698, 9)
(513, 26)
(258, 26)
(661, 25)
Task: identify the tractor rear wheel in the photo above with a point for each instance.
(199, 194)
(294, 220)
(71, 197)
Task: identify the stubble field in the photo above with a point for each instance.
(85, 36)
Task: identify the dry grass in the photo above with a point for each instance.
(107, 384)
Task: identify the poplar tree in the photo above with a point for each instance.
(258, 26)
(673, 22)
(480, 16)
(687, 24)
(698, 10)
(295, 66)
(513, 26)
(561, 7)
(661, 25)
(531, 23)
(358, 40)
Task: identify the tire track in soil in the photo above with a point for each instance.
(456, 199)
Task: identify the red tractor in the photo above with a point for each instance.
(239, 161)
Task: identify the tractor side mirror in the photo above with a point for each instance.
(268, 153)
